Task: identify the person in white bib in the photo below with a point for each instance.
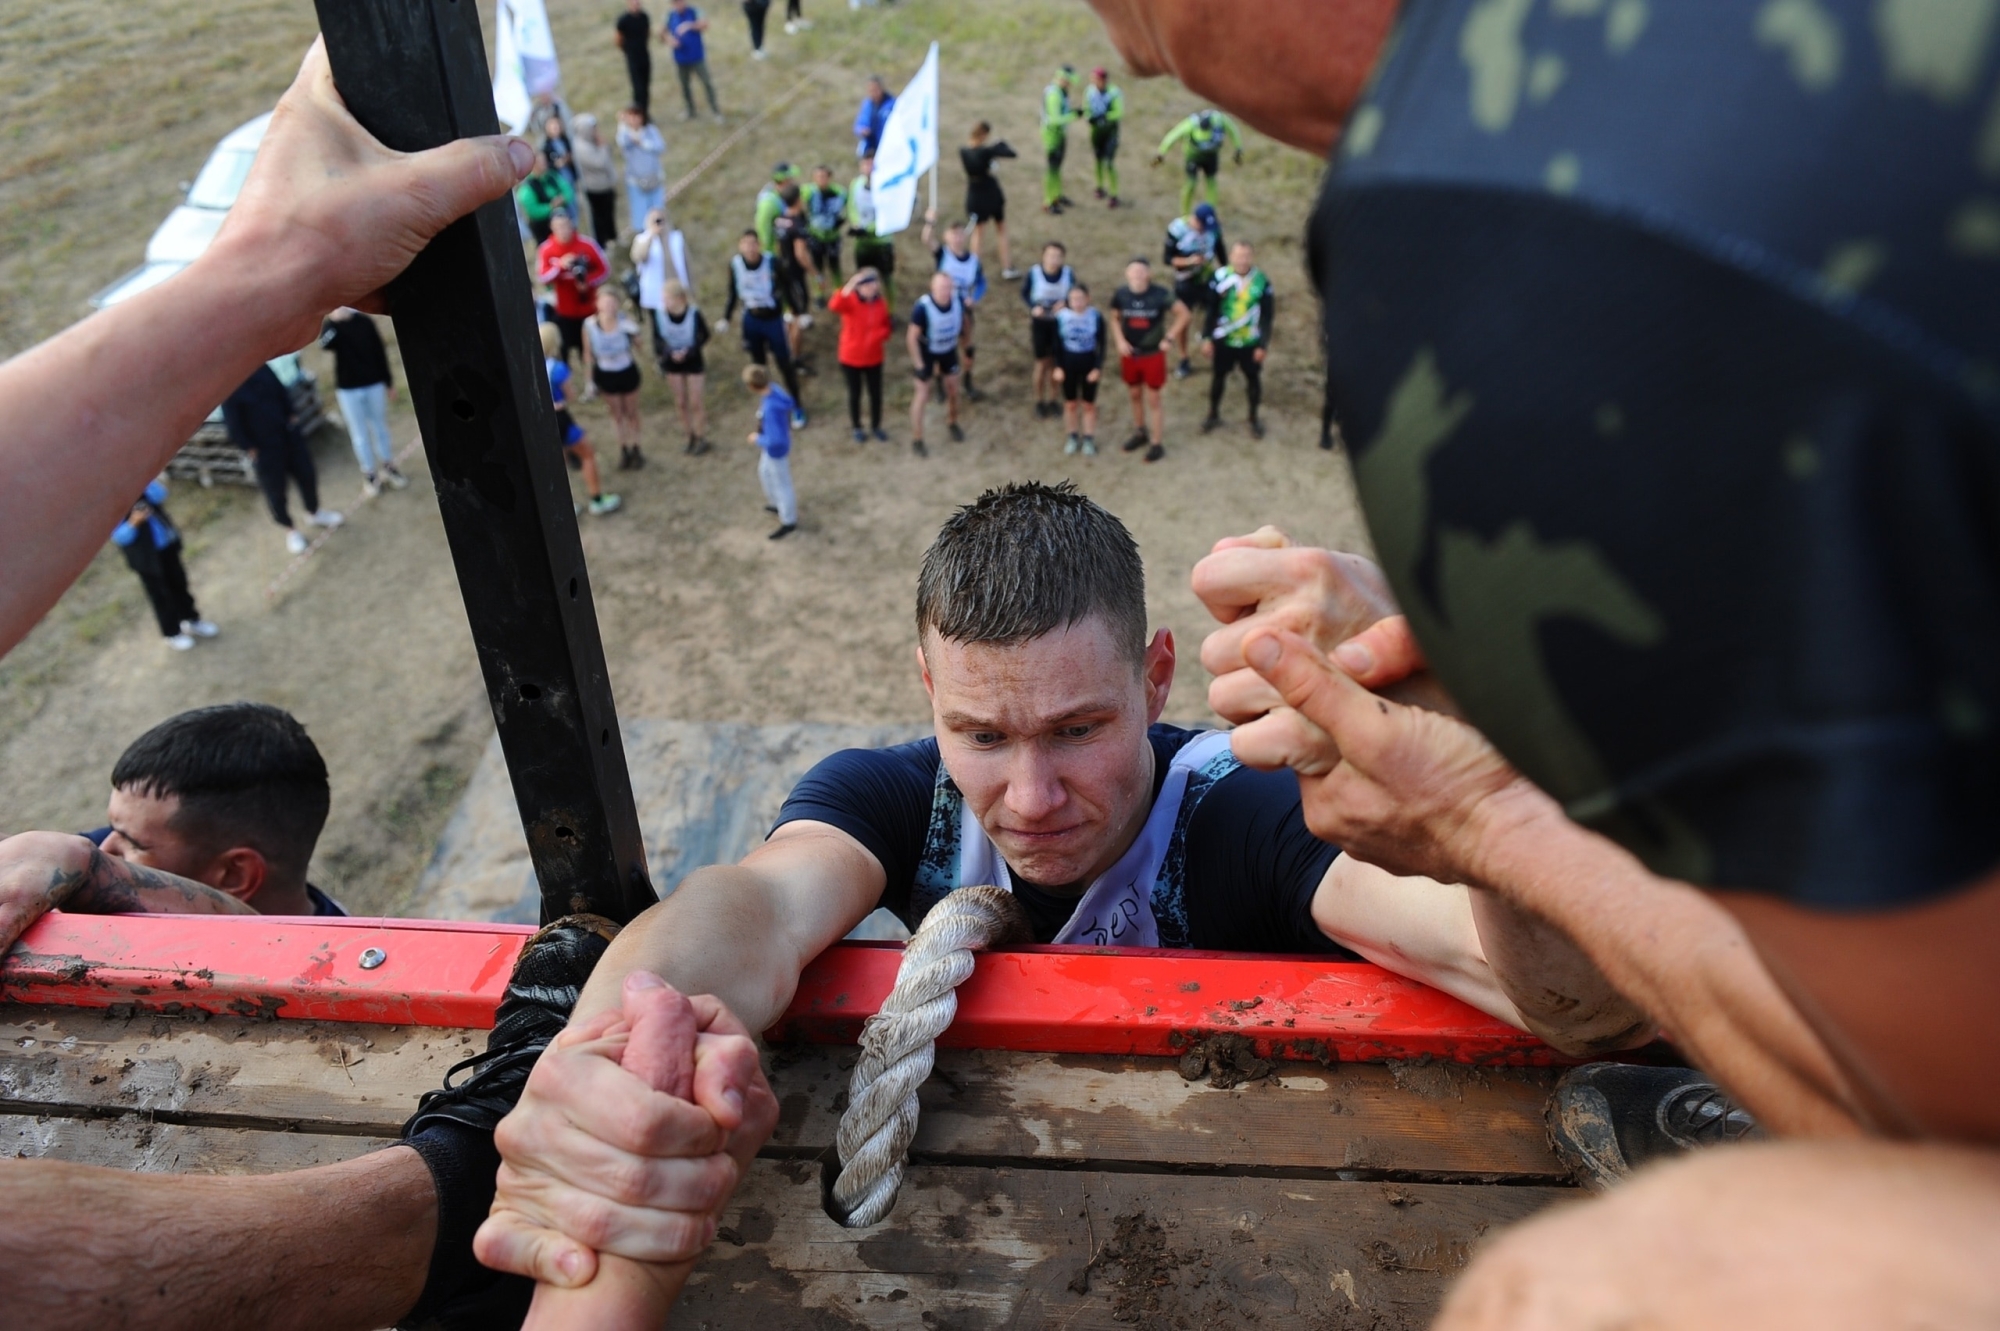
(937, 322)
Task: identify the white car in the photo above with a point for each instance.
(179, 241)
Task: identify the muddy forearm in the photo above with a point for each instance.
(107, 885)
(1682, 961)
(1561, 995)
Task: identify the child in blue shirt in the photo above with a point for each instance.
(576, 444)
(773, 438)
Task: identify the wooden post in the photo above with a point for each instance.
(414, 73)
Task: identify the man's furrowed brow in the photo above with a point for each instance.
(1086, 711)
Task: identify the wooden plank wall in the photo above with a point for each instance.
(1045, 1190)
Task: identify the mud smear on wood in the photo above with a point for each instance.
(1145, 1274)
(1226, 1060)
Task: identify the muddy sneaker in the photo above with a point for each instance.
(1156, 452)
(1607, 1119)
(453, 1127)
(1138, 441)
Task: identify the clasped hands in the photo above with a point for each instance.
(633, 1131)
(1323, 675)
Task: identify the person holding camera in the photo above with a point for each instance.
(151, 544)
(572, 267)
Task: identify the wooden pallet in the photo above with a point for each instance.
(1342, 1196)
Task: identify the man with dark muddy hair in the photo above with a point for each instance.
(230, 799)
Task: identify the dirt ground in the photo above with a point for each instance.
(703, 618)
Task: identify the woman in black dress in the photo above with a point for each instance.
(984, 200)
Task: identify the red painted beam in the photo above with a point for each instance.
(432, 972)
(1086, 1000)
(1045, 999)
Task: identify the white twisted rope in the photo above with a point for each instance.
(899, 1042)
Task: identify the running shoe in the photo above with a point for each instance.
(1070, 446)
(1184, 370)
(1089, 446)
(1326, 441)
(295, 541)
(783, 532)
(917, 447)
(860, 435)
(1156, 452)
(957, 435)
(759, 54)
(181, 642)
(327, 518)
(798, 418)
(1211, 424)
(1256, 429)
(880, 436)
(370, 486)
(1009, 274)
(605, 503)
(1607, 1119)
(1136, 442)
(1114, 201)
(394, 476)
(453, 1127)
(200, 628)
(1100, 191)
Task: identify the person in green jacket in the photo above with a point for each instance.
(545, 190)
(1204, 132)
(826, 209)
(769, 205)
(870, 250)
(1104, 107)
(1057, 113)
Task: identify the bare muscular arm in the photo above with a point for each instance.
(743, 932)
(45, 871)
(343, 1246)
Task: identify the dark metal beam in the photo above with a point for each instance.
(414, 73)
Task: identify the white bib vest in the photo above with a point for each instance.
(1117, 910)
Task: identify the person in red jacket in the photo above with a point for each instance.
(572, 267)
(864, 332)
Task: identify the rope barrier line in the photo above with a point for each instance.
(291, 569)
(899, 1044)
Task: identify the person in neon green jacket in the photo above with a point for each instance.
(1058, 110)
(769, 205)
(541, 194)
(1204, 132)
(1104, 107)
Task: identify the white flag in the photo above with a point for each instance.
(909, 148)
(524, 61)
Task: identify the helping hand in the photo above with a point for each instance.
(597, 1161)
(340, 213)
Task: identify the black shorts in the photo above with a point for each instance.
(572, 333)
(1191, 292)
(985, 200)
(825, 252)
(1042, 336)
(938, 365)
(1077, 384)
(1207, 164)
(616, 381)
(690, 364)
(875, 252)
